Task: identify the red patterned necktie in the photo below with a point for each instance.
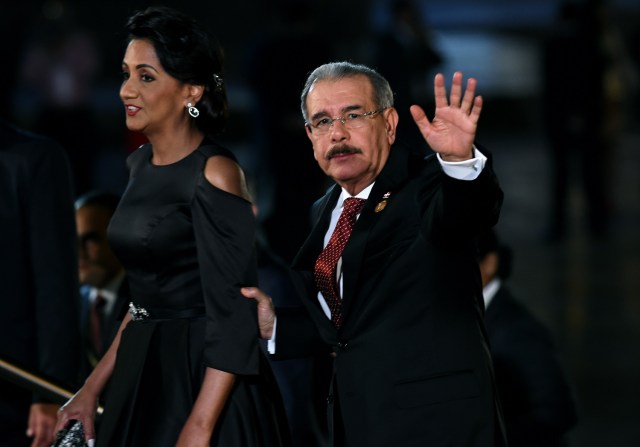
(325, 268)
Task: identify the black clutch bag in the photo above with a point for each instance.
(71, 436)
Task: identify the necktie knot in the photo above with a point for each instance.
(100, 302)
(352, 206)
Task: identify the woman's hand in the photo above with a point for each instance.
(82, 407)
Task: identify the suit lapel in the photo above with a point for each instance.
(308, 253)
(304, 262)
(391, 177)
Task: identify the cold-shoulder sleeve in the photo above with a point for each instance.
(224, 227)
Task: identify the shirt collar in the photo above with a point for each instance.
(364, 194)
(490, 290)
(109, 292)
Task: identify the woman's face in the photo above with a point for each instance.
(154, 101)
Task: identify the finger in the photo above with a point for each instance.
(89, 431)
(469, 95)
(42, 437)
(44, 429)
(254, 293)
(456, 89)
(420, 118)
(440, 91)
(31, 425)
(62, 422)
(249, 292)
(37, 440)
(63, 419)
(418, 114)
(477, 108)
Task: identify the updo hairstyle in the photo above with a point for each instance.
(188, 54)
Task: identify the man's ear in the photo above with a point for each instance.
(309, 131)
(391, 121)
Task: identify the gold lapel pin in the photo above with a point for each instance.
(383, 203)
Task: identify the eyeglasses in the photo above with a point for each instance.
(321, 126)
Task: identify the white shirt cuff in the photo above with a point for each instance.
(271, 343)
(464, 170)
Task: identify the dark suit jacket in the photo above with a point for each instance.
(303, 381)
(536, 399)
(412, 366)
(38, 266)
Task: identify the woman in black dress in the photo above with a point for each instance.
(186, 368)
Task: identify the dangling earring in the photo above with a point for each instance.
(193, 111)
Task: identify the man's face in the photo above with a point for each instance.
(351, 157)
(97, 265)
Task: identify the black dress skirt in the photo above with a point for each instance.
(187, 247)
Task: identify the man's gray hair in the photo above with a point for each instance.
(382, 93)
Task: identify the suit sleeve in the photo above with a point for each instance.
(296, 335)
(461, 208)
(54, 267)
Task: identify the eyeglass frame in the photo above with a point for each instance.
(343, 119)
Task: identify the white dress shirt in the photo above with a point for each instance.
(108, 292)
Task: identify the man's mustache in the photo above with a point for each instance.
(342, 150)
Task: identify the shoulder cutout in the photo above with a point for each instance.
(225, 174)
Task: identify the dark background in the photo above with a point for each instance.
(584, 289)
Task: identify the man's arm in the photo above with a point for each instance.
(466, 206)
(297, 335)
(54, 272)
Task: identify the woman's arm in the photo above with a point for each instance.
(82, 406)
(213, 395)
(232, 235)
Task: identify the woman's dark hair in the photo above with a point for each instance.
(188, 54)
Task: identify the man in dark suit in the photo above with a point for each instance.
(105, 291)
(402, 313)
(39, 297)
(536, 398)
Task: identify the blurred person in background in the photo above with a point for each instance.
(38, 268)
(103, 288)
(537, 402)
